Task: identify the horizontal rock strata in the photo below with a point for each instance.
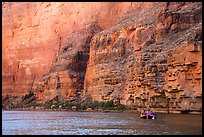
(140, 54)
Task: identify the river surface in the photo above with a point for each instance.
(97, 123)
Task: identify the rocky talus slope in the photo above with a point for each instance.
(143, 55)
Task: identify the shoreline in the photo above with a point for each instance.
(103, 111)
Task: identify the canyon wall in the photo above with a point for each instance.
(155, 62)
(34, 33)
(140, 54)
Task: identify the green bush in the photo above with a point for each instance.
(120, 107)
(106, 105)
(95, 105)
(47, 105)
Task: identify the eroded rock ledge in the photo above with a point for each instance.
(150, 57)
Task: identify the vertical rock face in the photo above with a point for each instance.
(141, 54)
(34, 34)
(65, 80)
(66, 76)
(153, 62)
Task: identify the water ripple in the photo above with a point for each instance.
(96, 123)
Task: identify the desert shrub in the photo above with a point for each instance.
(67, 105)
(47, 105)
(106, 105)
(83, 105)
(120, 107)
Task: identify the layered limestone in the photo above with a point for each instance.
(34, 34)
(154, 64)
(138, 54)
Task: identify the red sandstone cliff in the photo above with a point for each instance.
(140, 54)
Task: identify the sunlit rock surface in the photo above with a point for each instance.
(141, 54)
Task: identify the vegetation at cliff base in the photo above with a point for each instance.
(82, 105)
